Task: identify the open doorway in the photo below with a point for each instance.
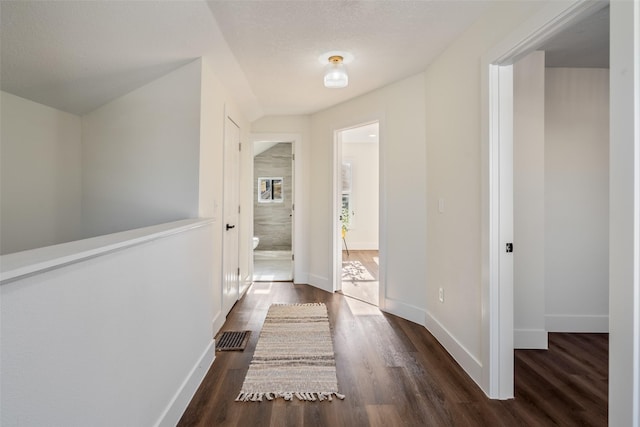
(504, 299)
(273, 211)
(358, 208)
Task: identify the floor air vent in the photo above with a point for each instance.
(232, 340)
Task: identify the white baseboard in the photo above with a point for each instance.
(363, 246)
(404, 310)
(465, 359)
(183, 396)
(530, 339)
(245, 284)
(320, 282)
(301, 279)
(577, 323)
(217, 322)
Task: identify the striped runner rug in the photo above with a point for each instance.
(293, 357)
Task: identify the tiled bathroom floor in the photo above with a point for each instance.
(269, 266)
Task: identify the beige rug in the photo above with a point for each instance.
(294, 357)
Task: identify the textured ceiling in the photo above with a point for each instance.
(278, 43)
(78, 55)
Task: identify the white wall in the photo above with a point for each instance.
(624, 217)
(141, 155)
(577, 200)
(40, 175)
(529, 202)
(122, 338)
(216, 102)
(453, 164)
(400, 109)
(297, 127)
(363, 157)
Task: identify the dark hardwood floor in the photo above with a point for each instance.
(394, 373)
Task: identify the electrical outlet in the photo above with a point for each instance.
(441, 294)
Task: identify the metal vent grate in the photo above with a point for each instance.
(232, 340)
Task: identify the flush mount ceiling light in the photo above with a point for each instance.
(335, 73)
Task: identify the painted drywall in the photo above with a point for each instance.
(272, 221)
(453, 164)
(528, 202)
(210, 185)
(577, 199)
(40, 175)
(141, 155)
(297, 127)
(363, 229)
(400, 109)
(110, 340)
(624, 219)
(217, 103)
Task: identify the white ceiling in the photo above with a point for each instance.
(78, 55)
(362, 134)
(278, 44)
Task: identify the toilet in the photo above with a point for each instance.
(256, 240)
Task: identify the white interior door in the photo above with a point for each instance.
(231, 216)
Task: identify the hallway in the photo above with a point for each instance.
(394, 373)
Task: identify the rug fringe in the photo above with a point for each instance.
(305, 397)
(299, 304)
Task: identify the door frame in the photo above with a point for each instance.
(226, 307)
(497, 184)
(336, 241)
(297, 231)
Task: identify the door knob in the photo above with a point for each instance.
(229, 227)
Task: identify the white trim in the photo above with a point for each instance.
(176, 407)
(217, 322)
(497, 302)
(320, 282)
(363, 246)
(35, 261)
(530, 339)
(336, 264)
(298, 236)
(467, 361)
(577, 323)
(406, 311)
(301, 279)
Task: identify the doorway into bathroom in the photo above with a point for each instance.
(358, 207)
(272, 211)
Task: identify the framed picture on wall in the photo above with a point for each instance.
(270, 190)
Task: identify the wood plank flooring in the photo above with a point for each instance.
(364, 290)
(394, 373)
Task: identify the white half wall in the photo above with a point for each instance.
(118, 332)
(577, 199)
(528, 202)
(141, 155)
(40, 175)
